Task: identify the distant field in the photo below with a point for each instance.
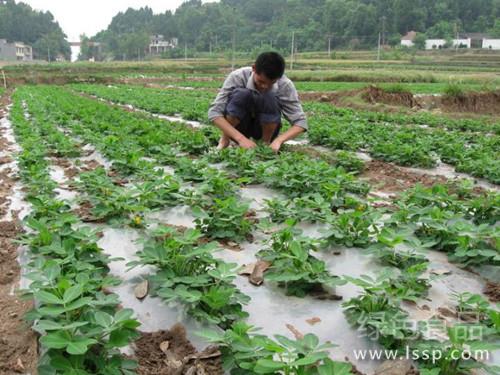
(415, 88)
(469, 67)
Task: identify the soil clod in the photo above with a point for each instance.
(179, 356)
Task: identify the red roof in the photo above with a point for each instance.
(410, 35)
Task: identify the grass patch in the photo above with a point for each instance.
(454, 90)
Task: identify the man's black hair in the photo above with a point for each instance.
(271, 64)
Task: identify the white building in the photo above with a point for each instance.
(408, 39)
(159, 45)
(462, 43)
(493, 44)
(467, 40)
(435, 43)
(16, 51)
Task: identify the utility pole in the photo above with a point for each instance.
(292, 51)
(329, 46)
(234, 39)
(185, 51)
(4, 80)
(48, 52)
(383, 30)
(378, 51)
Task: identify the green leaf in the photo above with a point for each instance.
(268, 366)
(210, 336)
(72, 293)
(47, 297)
(334, 368)
(51, 310)
(119, 338)
(55, 340)
(52, 270)
(123, 314)
(85, 301)
(311, 340)
(103, 319)
(79, 345)
(310, 359)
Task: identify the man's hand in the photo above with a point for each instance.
(246, 143)
(276, 145)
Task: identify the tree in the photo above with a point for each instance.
(495, 30)
(419, 40)
(205, 26)
(19, 22)
(441, 30)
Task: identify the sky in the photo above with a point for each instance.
(91, 16)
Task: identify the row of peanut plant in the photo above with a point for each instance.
(187, 271)
(316, 192)
(417, 140)
(81, 326)
(466, 241)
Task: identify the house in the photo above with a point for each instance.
(476, 39)
(435, 43)
(493, 44)
(485, 41)
(461, 42)
(159, 45)
(16, 51)
(408, 39)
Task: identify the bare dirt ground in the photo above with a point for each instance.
(391, 178)
(18, 343)
(492, 290)
(170, 352)
(467, 105)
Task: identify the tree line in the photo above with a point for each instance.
(255, 24)
(21, 23)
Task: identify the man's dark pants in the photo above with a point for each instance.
(254, 110)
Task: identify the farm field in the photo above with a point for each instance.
(142, 249)
(415, 88)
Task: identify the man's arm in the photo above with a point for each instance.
(231, 132)
(291, 133)
(293, 112)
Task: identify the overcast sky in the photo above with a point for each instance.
(91, 16)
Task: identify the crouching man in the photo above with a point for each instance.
(251, 102)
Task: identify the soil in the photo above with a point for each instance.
(6, 184)
(492, 290)
(84, 211)
(478, 102)
(171, 353)
(69, 170)
(334, 97)
(391, 178)
(90, 166)
(18, 343)
(371, 95)
(374, 94)
(470, 105)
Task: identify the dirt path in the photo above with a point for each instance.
(18, 343)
